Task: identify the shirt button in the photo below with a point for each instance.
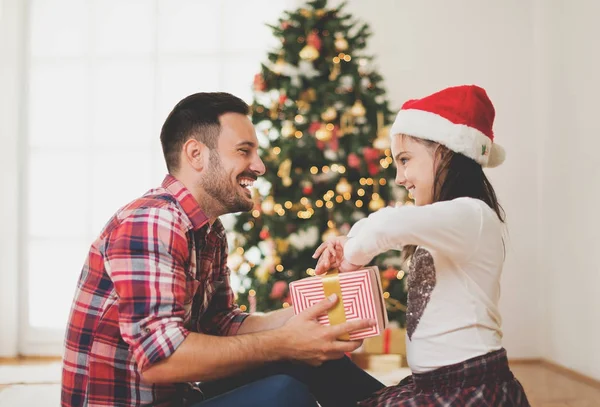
(147, 330)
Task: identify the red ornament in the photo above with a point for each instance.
(314, 40)
(264, 234)
(285, 25)
(279, 289)
(314, 126)
(372, 158)
(282, 98)
(259, 83)
(390, 273)
(353, 161)
(307, 189)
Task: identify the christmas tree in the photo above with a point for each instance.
(322, 118)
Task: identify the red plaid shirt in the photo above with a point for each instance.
(157, 272)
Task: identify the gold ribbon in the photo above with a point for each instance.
(337, 315)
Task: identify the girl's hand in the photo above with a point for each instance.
(331, 255)
(345, 265)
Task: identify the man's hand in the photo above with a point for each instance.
(331, 255)
(308, 341)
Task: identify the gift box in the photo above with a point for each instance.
(360, 297)
(378, 363)
(391, 342)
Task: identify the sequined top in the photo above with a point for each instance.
(454, 277)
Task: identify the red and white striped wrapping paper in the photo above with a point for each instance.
(361, 295)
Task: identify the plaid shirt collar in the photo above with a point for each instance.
(190, 206)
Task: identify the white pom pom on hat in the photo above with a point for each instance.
(460, 118)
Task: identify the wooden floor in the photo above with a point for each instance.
(545, 385)
(549, 387)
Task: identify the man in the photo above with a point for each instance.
(154, 312)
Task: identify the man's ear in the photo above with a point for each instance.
(195, 154)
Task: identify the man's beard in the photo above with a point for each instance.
(217, 184)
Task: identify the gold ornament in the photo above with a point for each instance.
(308, 95)
(329, 114)
(323, 134)
(305, 13)
(320, 12)
(262, 273)
(309, 53)
(288, 129)
(382, 142)
(284, 172)
(376, 202)
(279, 65)
(343, 187)
(340, 42)
(358, 109)
(274, 111)
(335, 71)
(282, 245)
(347, 123)
(303, 107)
(268, 205)
(383, 131)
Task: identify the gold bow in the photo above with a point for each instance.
(337, 315)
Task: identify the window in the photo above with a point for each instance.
(102, 77)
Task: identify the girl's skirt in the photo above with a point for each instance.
(482, 381)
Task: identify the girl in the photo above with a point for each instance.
(453, 237)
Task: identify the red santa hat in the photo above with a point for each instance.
(460, 118)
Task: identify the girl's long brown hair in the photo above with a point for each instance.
(457, 176)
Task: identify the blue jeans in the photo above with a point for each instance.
(278, 390)
(334, 384)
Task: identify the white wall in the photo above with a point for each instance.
(11, 28)
(423, 46)
(570, 184)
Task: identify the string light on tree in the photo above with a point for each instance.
(376, 201)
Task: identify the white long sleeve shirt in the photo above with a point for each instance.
(454, 278)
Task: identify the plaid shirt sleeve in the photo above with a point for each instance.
(145, 258)
(222, 317)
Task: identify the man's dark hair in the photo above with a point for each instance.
(196, 116)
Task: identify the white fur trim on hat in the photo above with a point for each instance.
(457, 137)
(497, 156)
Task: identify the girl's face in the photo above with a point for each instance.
(415, 167)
